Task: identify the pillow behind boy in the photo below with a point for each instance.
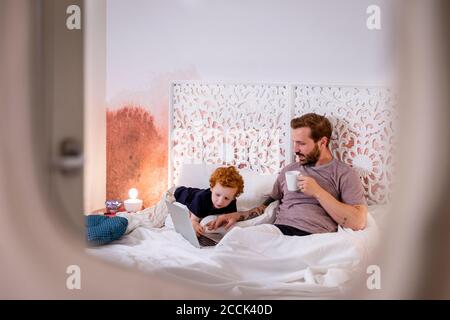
(256, 189)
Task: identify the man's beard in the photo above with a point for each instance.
(311, 158)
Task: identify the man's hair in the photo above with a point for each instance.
(320, 126)
(228, 177)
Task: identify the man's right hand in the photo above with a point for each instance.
(227, 220)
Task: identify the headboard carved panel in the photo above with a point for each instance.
(248, 125)
(363, 120)
(233, 124)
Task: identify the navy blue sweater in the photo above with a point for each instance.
(199, 201)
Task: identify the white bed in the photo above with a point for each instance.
(253, 260)
(247, 125)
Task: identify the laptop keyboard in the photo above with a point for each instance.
(206, 242)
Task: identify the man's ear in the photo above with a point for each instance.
(323, 142)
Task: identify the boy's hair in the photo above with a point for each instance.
(228, 177)
(320, 126)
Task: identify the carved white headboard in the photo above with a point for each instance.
(248, 125)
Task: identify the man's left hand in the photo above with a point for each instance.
(308, 186)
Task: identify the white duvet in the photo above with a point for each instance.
(252, 262)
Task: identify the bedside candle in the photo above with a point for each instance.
(133, 204)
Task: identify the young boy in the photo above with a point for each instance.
(226, 184)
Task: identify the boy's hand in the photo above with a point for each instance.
(197, 227)
(228, 219)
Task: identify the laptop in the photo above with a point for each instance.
(183, 225)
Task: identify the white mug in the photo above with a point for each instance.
(291, 180)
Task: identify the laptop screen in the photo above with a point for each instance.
(182, 223)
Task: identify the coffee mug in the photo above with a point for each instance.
(291, 180)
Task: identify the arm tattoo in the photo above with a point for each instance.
(252, 213)
(345, 221)
(268, 201)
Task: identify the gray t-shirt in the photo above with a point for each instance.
(305, 212)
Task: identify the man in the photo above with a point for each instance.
(330, 192)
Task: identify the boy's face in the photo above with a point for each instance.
(222, 196)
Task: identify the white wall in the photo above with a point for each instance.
(313, 41)
(95, 105)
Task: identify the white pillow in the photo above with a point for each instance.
(379, 213)
(256, 189)
(195, 175)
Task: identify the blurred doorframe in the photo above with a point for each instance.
(63, 78)
(95, 104)
(37, 242)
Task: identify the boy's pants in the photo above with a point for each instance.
(102, 230)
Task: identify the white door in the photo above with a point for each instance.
(62, 56)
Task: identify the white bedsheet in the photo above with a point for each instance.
(253, 262)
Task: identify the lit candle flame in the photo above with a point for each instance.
(133, 193)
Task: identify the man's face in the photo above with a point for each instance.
(306, 150)
(222, 196)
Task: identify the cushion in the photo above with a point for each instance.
(380, 214)
(195, 175)
(102, 230)
(256, 189)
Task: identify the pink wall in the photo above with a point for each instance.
(136, 155)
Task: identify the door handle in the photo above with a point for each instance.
(70, 159)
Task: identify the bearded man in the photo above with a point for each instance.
(329, 192)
